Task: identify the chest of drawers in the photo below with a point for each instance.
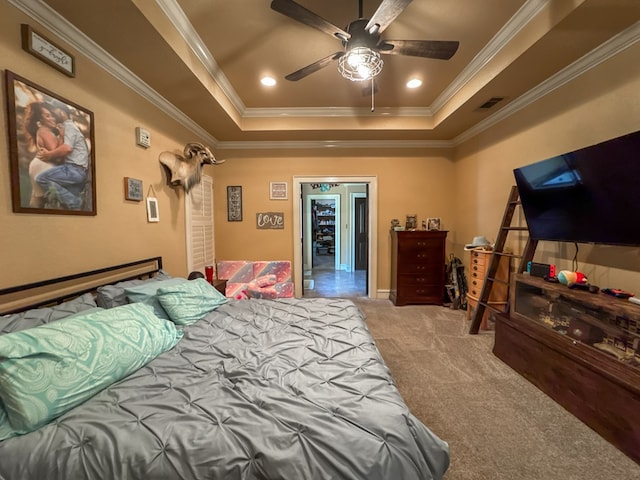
(417, 267)
(479, 261)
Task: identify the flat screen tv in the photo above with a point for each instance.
(591, 195)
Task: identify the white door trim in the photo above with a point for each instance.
(372, 280)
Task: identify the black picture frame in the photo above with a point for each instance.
(234, 203)
(28, 104)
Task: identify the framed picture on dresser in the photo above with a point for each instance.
(433, 223)
(411, 222)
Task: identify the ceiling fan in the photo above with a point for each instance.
(361, 57)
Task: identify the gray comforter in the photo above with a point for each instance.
(289, 389)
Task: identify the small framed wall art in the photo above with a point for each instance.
(278, 191)
(132, 189)
(152, 210)
(234, 203)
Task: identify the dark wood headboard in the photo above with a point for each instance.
(60, 289)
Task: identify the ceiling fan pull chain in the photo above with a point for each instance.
(373, 96)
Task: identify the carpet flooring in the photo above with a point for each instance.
(498, 425)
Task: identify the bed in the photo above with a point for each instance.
(252, 389)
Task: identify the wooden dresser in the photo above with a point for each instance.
(417, 267)
(478, 265)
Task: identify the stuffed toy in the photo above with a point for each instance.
(569, 278)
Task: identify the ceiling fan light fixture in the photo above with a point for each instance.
(268, 81)
(359, 64)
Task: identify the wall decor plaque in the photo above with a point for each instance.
(234, 203)
(270, 220)
(44, 49)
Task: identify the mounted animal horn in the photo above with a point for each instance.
(186, 171)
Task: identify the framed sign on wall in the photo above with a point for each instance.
(234, 203)
(44, 49)
(132, 189)
(270, 221)
(278, 191)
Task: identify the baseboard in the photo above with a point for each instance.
(382, 294)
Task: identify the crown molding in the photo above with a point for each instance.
(520, 20)
(66, 31)
(61, 27)
(515, 24)
(334, 144)
(176, 15)
(302, 112)
(598, 55)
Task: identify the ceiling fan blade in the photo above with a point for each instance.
(314, 67)
(300, 14)
(440, 49)
(386, 13)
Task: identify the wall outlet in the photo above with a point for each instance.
(143, 137)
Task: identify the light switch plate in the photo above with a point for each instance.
(143, 137)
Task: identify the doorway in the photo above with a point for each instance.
(360, 253)
(356, 227)
(321, 230)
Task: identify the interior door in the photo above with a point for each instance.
(361, 234)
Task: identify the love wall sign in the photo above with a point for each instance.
(270, 220)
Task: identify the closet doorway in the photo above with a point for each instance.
(341, 252)
(321, 231)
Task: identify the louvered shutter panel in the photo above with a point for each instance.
(200, 244)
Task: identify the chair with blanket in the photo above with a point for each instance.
(259, 279)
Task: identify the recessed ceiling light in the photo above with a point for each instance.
(414, 83)
(268, 81)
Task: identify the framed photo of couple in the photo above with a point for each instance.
(51, 151)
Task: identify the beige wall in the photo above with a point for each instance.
(417, 183)
(602, 104)
(36, 246)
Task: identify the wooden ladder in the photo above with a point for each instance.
(498, 253)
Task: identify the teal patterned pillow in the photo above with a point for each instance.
(47, 370)
(146, 293)
(190, 301)
(5, 427)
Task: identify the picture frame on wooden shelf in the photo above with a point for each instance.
(411, 222)
(433, 223)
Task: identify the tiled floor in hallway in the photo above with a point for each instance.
(329, 282)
